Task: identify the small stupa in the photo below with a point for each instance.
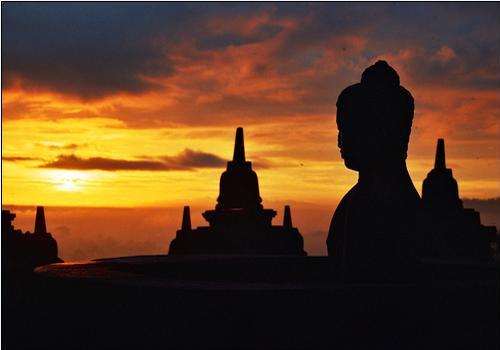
(456, 232)
(239, 224)
(440, 189)
(25, 250)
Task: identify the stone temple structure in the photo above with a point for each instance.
(25, 251)
(455, 232)
(239, 224)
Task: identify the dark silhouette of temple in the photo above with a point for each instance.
(25, 251)
(239, 224)
(454, 231)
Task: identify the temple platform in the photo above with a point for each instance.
(229, 302)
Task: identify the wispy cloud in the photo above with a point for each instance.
(189, 159)
(68, 146)
(186, 160)
(99, 163)
(19, 159)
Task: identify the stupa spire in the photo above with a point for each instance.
(40, 227)
(440, 162)
(287, 217)
(239, 147)
(239, 186)
(186, 219)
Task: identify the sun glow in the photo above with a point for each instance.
(68, 180)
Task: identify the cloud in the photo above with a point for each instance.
(445, 54)
(56, 146)
(98, 163)
(68, 146)
(186, 160)
(85, 50)
(189, 159)
(211, 64)
(18, 159)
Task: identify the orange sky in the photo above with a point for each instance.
(95, 115)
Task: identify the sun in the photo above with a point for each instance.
(68, 180)
(69, 185)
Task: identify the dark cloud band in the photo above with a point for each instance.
(18, 159)
(186, 160)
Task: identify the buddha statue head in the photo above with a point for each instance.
(374, 119)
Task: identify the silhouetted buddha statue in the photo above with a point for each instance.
(374, 221)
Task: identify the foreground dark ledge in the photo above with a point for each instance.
(252, 302)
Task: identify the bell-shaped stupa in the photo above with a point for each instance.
(440, 189)
(239, 224)
(455, 232)
(239, 186)
(239, 203)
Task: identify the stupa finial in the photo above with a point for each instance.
(440, 162)
(186, 219)
(287, 217)
(239, 147)
(40, 227)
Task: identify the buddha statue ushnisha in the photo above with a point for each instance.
(374, 223)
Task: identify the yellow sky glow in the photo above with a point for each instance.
(303, 175)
